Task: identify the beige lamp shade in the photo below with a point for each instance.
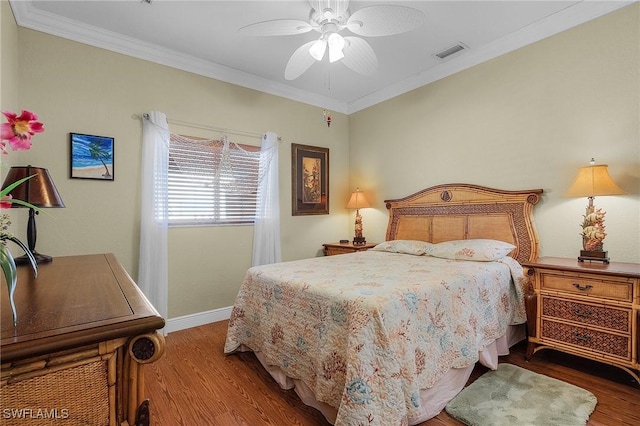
(358, 201)
(593, 181)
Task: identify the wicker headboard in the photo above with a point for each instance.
(463, 211)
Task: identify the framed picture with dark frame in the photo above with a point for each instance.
(92, 157)
(309, 180)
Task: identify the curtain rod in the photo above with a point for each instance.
(213, 128)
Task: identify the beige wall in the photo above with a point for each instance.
(78, 88)
(8, 58)
(528, 119)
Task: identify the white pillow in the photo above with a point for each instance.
(479, 250)
(414, 247)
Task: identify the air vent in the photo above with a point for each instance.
(451, 51)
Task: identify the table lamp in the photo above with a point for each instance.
(39, 191)
(358, 201)
(593, 180)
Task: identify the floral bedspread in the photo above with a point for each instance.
(366, 331)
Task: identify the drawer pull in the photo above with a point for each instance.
(584, 338)
(583, 287)
(582, 313)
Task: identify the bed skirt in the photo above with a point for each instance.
(433, 399)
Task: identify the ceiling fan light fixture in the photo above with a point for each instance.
(336, 44)
(335, 55)
(317, 49)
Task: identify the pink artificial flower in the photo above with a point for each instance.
(19, 129)
(5, 201)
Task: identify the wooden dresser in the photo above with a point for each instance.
(76, 356)
(589, 309)
(331, 249)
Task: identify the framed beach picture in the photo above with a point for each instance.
(91, 157)
(310, 180)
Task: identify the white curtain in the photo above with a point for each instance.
(266, 231)
(153, 263)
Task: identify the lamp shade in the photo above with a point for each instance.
(39, 190)
(593, 181)
(358, 201)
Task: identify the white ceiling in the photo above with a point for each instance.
(202, 37)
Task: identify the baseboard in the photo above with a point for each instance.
(195, 320)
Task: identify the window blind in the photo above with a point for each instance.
(212, 182)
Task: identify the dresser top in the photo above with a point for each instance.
(572, 264)
(74, 301)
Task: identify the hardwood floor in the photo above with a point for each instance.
(195, 384)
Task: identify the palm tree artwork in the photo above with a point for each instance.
(92, 157)
(98, 153)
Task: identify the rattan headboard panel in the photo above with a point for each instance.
(463, 211)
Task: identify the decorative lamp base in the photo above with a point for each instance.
(597, 256)
(359, 241)
(40, 258)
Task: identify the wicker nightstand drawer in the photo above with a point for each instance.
(339, 250)
(596, 341)
(73, 393)
(592, 287)
(331, 249)
(588, 314)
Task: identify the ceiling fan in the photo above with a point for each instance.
(329, 18)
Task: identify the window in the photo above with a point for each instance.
(212, 182)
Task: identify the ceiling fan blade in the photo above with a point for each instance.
(276, 27)
(359, 56)
(300, 61)
(375, 21)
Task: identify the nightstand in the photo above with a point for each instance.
(340, 248)
(586, 309)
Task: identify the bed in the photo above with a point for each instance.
(388, 336)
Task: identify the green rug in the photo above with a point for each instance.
(514, 396)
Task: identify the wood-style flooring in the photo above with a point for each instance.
(195, 384)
